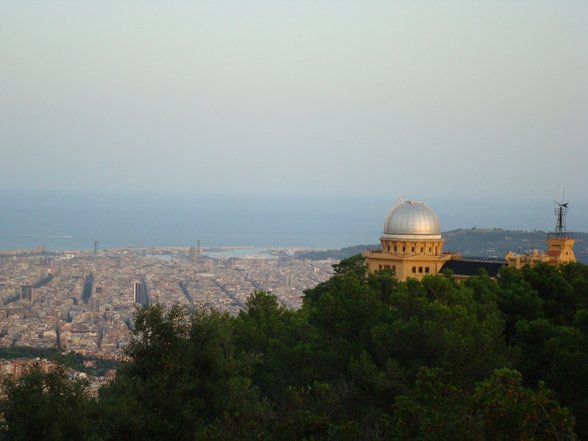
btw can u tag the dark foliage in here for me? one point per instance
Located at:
(46, 406)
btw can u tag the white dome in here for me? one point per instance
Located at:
(412, 220)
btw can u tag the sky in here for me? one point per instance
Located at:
(435, 100)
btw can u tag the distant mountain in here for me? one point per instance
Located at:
(342, 253)
(490, 242)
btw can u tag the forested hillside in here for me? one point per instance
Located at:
(365, 358)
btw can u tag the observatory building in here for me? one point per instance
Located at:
(412, 246)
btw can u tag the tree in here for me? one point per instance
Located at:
(517, 300)
(440, 324)
(186, 381)
(499, 409)
(509, 411)
(434, 410)
(46, 406)
(559, 302)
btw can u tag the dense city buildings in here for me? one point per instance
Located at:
(85, 301)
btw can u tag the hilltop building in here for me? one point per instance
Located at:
(560, 246)
(412, 246)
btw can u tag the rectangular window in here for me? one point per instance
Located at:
(412, 249)
(394, 269)
(380, 267)
(403, 249)
(395, 248)
(387, 266)
(420, 269)
(427, 269)
(414, 269)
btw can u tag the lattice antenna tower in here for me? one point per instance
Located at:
(561, 211)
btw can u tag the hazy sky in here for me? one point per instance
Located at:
(431, 99)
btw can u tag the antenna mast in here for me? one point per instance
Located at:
(561, 211)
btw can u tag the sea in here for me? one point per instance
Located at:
(67, 221)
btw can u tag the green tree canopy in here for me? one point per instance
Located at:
(46, 406)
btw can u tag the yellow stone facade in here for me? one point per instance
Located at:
(411, 245)
(559, 251)
(408, 258)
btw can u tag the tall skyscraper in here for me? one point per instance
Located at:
(193, 254)
(140, 293)
(94, 304)
(26, 293)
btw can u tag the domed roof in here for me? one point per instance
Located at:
(412, 219)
